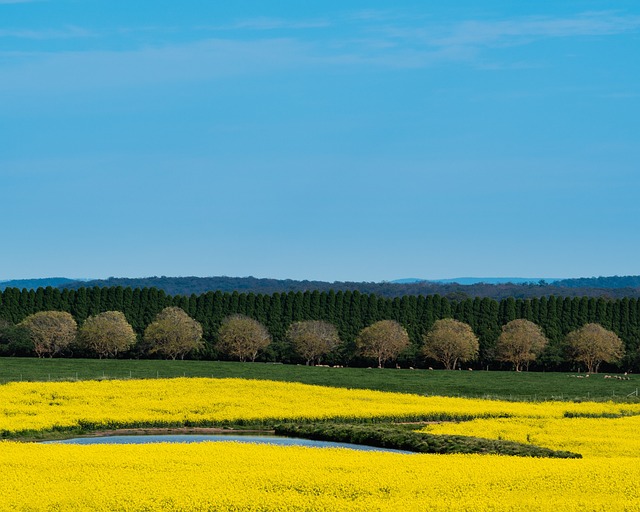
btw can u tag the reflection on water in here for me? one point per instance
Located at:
(200, 438)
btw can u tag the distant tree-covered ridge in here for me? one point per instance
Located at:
(199, 285)
(613, 282)
(350, 312)
(37, 283)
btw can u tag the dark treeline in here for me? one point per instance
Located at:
(613, 282)
(56, 282)
(349, 312)
(453, 291)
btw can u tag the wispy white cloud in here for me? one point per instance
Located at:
(371, 15)
(528, 29)
(65, 33)
(380, 54)
(267, 23)
(199, 61)
(399, 43)
(407, 42)
(386, 37)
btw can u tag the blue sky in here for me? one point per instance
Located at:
(319, 140)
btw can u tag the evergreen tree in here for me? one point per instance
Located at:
(508, 310)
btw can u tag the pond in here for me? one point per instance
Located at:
(200, 438)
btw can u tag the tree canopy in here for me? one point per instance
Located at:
(173, 334)
(592, 344)
(106, 334)
(51, 331)
(450, 341)
(243, 337)
(349, 311)
(383, 340)
(313, 339)
(520, 342)
(14, 340)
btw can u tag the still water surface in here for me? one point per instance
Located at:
(199, 438)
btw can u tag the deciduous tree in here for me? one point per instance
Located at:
(383, 340)
(107, 334)
(243, 337)
(173, 333)
(313, 339)
(520, 342)
(592, 344)
(450, 341)
(51, 331)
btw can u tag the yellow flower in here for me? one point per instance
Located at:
(234, 477)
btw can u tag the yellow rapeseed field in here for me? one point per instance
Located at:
(238, 477)
(234, 477)
(592, 437)
(26, 406)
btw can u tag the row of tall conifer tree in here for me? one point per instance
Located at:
(349, 312)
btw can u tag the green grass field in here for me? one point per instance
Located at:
(489, 384)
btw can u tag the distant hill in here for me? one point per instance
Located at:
(496, 280)
(32, 284)
(198, 285)
(495, 288)
(478, 280)
(613, 282)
